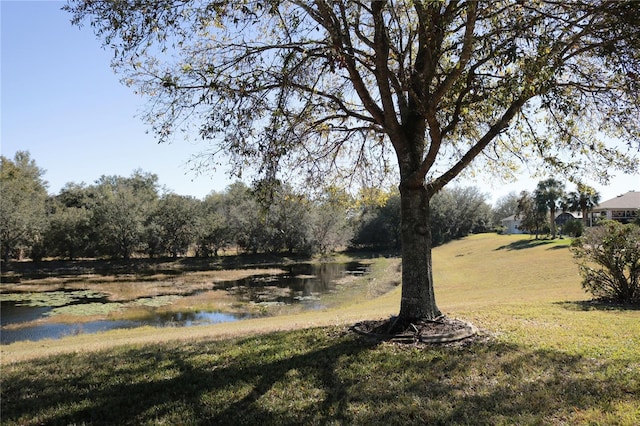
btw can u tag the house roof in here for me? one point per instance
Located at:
(628, 201)
(575, 215)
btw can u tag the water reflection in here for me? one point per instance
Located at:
(302, 284)
(57, 331)
(187, 319)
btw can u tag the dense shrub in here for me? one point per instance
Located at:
(573, 228)
(609, 260)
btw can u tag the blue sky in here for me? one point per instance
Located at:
(62, 102)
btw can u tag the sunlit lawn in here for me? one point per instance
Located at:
(544, 357)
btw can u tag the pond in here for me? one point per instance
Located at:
(31, 316)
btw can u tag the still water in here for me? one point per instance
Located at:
(302, 284)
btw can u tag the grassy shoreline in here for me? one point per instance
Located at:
(545, 357)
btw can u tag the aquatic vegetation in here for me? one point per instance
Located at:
(50, 298)
(81, 302)
(253, 292)
(86, 309)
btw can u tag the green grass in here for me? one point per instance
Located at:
(545, 357)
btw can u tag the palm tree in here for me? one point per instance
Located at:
(547, 195)
(531, 217)
(584, 200)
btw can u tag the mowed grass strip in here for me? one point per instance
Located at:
(545, 357)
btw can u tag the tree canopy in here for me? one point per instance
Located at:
(302, 81)
(22, 205)
(583, 200)
(548, 195)
(334, 87)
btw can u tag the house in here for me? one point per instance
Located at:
(623, 208)
(564, 217)
(512, 225)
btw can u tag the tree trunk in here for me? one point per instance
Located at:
(418, 299)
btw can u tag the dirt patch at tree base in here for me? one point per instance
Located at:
(439, 330)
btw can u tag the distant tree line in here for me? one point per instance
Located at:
(123, 217)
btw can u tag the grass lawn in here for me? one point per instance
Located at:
(545, 356)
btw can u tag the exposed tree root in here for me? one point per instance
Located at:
(440, 330)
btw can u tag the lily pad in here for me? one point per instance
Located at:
(86, 309)
(50, 298)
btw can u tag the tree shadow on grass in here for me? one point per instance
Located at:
(191, 384)
(598, 305)
(523, 244)
(527, 244)
(311, 377)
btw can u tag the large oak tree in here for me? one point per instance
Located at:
(335, 86)
(23, 195)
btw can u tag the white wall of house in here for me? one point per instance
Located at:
(511, 225)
